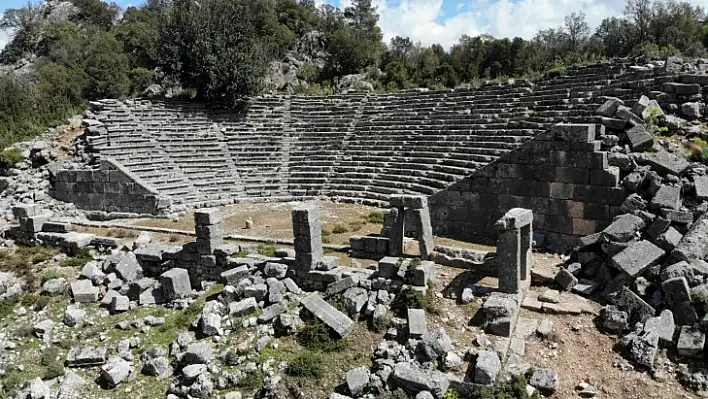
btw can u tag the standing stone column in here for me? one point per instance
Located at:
(425, 233)
(208, 227)
(307, 232)
(395, 233)
(514, 249)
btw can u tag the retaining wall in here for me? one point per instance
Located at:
(561, 175)
(112, 191)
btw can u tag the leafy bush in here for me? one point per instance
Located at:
(252, 381)
(452, 394)
(339, 229)
(53, 274)
(49, 356)
(411, 299)
(699, 151)
(10, 157)
(316, 336)
(267, 249)
(140, 79)
(308, 364)
(375, 217)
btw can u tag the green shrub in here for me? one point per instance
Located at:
(699, 151)
(267, 250)
(452, 394)
(513, 389)
(316, 336)
(53, 370)
(375, 217)
(411, 299)
(41, 303)
(53, 274)
(82, 256)
(49, 356)
(39, 254)
(10, 157)
(356, 226)
(308, 364)
(339, 229)
(252, 381)
(140, 79)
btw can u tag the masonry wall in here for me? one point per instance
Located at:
(109, 192)
(561, 175)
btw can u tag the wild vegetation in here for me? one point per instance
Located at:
(221, 49)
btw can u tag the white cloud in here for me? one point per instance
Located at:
(425, 21)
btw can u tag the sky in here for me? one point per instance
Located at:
(444, 21)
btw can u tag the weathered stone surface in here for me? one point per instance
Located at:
(624, 228)
(663, 326)
(546, 380)
(613, 319)
(434, 344)
(666, 162)
(566, 280)
(668, 240)
(209, 216)
(691, 342)
(54, 287)
(413, 379)
(128, 268)
(86, 356)
(336, 320)
(678, 298)
(277, 270)
(609, 107)
(355, 299)
(198, 353)
(487, 367)
(693, 245)
(115, 371)
(417, 324)
(357, 379)
(243, 307)
(635, 306)
(500, 311)
(271, 312)
(637, 257)
(639, 139)
(668, 197)
(175, 284)
(84, 291)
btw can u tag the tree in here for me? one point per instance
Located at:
(639, 12)
(96, 13)
(139, 31)
(577, 29)
(24, 25)
(213, 47)
(106, 67)
(615, 35)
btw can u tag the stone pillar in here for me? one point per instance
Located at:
(307, 232)
(425, 233)
(209, 230)
(396, 231)
(514, 250)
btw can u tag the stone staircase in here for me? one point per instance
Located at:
(353, 147)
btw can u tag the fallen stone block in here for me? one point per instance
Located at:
(678, 298)
(128, 268)
(207, 217)
(663, 326)
(639, 139)
(546, 380)
(668, 240)
(566, 280)
(333, 318)
(87, 356)
(635, 306)
(693, 245)
(668, 197)
(357, 380)
(417, 323)
(487, 367)
(115, 371)
(691, 342)
(637, 257)
(413, 380)
(175, 284)
(643, 349)
(84, 291)
(624, 228)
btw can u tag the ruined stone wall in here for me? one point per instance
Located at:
(111, 191)
(561, 175)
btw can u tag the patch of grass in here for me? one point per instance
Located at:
(452, 394)
(49, 356)
(355, 226)
(182, 320)
(339, 229)
(53, 274)
(41, 303)
(7, 306)
(411, 299)
(9, 158)
(309, 364)
(12, 382)
(316, 336)
(252, 382)
(121, 233)
(267, 250)
(241, 254)
(41, 254)
(326, 236)
(53, 370)
(375, 217)
(82, 256)
(513, 389)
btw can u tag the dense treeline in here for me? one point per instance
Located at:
(221, 49)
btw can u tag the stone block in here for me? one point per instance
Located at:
(663, 326)
(128, 268)
(235, 275)
(84, 291)
(637, 257)
(678, 298)
(176, 284)
(417, 323)
(86, 356)
(209, 216)
(243, 307)
(701, 185)
(566, 279)
(487, 367)
(336, 320)
(609, 107)
(357, 380)
(624, 228)
(639, 139)
(636, 307)
(694, 244)
(691, 342)
(668, 239)
(414, 379)
(668, 197)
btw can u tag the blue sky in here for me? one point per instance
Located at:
(444, 21)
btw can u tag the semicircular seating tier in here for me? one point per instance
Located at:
(353, 147)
